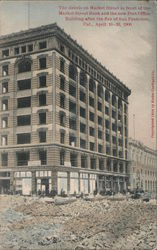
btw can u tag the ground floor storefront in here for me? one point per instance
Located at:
(62, 182)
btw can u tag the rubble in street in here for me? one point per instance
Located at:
(95, 223)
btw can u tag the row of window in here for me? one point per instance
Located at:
(23, 158)
(24, 49)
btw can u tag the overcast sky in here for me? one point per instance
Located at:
(127, 52)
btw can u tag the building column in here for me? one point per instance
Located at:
(12, 183)
(33, 182)
(54, 180)
(68, 183)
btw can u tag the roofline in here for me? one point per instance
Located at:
(54, 28)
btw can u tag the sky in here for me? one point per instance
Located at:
(128, 52)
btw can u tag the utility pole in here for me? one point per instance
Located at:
(28, 14)
(134, 125)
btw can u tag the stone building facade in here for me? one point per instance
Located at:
(143, 166)
(63, 116)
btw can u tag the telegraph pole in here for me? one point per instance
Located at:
(28, 14)
(134, 125)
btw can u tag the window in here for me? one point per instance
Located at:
(24, 102)
(99, 134)
(4, 140)
(5, 53)
(100, 148)
(91, 101)
(91, 85)
(24, 66)
(83, 79)
(24, 84)
(101, 164)
(42, 63)
(22, 158)
(62, 157)
(5, 122)
(107, 137)
(125, 108)
(16, 51)
(62, 65)
(42, 81)
(5, 87)
(82, 96)
(82, 143)
(99, 106)
(5, 70)
(62, 100)
(72, 72)
(5, 105)
(91, 116)
(42, 118)
(23, 120)
(93, 163)
(62, 118)
(62, 137)
(30, 47)
(42, 99)
(108, 150)
(4, 159)
(72, 107)
(114, 140)
(62, 49)
(82, 127)
(82, 112)
(42, 45)
(113, 114)
(42, 136)
(72, 123)
(99, 120)
(114, 127)
(91, 146)
(72, 140)
(23, 49)
(107, 124)
(24, 138)
(91, 131)
(113, 100)
(72, 90)
(107, 96)
(73, 159)
(83, 161)
(62, 83)
(43, 157)
(106, 110)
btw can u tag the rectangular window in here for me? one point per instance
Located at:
(24, 138)
(82, 96)
(113, 114)
(30, 47)
(23, 49)
(72, 107)
(91, 131)
(99, 106)
(42, 63)
(72, 123)
(24, 84)
(107, 124)
(91, 116)
(99, 134)
(43, 45)
(43, 157)
(99, 120)
(72, 140)
(22, 158)
(24, 120)
(4, 159)
(107, 137)
(42, 136)
(62, 83)
(82, 112)
(5, 87)
(72, 90)
(4, 105)
(106, 110)
(62, 137)
(82, 127)
(5, 53)
(5, 122)
(82, 143)
(62, 157)
(5, 70)
(16, 51)
(42, 118)
(42, 81)
(24, 102)
(42, 99)
(62, 65)
(91, 146)
(73, 159)
(62, 101)
(91, 101)
(4, 140)
(62, 119)
(100, 148)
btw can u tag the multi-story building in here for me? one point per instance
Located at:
(63, 116)
(143, 166)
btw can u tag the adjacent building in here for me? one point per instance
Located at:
(143, 166)
(63, 117)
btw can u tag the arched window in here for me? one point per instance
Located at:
(83, 78)
(24, 66)
(91, 85)
(72, 72)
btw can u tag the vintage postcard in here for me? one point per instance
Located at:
(78, 155)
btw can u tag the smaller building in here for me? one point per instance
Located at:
(143, 166)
